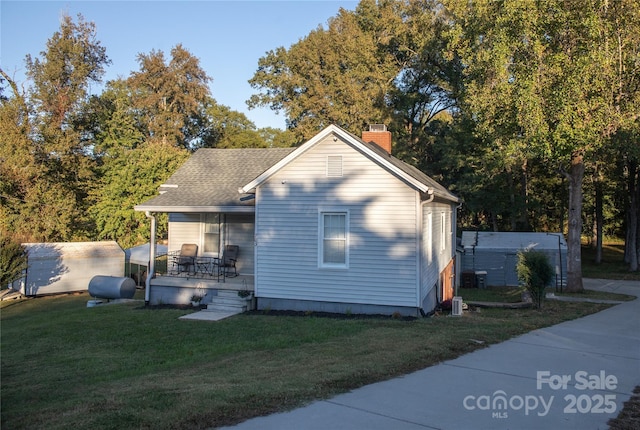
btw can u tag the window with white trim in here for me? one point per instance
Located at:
(210, 233)
(333, 239)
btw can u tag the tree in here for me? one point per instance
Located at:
(129, 169)
(535, 272)
(232, 129)
(128, 179)
(276, 138)
(426, 90)
(48, 169)
(113, 121)
(171, 98)
(544, 78)
(13, 260)
(339, 75)
(18, 168)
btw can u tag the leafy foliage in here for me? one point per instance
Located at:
(172, 97)
(48, 175)
(550, 80)
(13, 260)
(535, 272)
(491, 99)
(338, 75)
(127, 179)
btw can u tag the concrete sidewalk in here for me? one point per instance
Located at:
(574, 375)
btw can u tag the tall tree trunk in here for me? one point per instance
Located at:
(599, 220)
(494, 221)
(637, 221)
(561, 211)
(524, 183)
(631, 243)
(513, 216)
(574, 251)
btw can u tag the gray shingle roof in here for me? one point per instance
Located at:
(414, 172)
(410, 170)
(211, 178)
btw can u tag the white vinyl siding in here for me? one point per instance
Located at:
(183, 228)
(429, 238)
(236, 229)
(443, 232)
(437, 243)
(382, 241)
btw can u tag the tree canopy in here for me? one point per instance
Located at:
(528, 110)
(74, 164)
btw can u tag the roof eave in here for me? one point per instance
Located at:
(194, 209)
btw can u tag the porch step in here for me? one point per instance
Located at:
(228, 294)
(228, 300)
(226, 308)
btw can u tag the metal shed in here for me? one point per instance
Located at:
(496, 253)
(69, 266)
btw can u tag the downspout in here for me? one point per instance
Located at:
(457, 268)
(152, 258)
(421, 259)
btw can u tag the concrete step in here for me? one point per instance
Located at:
(228, 293)
(226, 308)
(228, 301)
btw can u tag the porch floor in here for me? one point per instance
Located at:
(188, 280)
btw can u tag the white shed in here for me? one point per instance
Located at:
(137, 261)
(496, 253)
(69, 266)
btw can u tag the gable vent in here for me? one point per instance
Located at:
(334, 165)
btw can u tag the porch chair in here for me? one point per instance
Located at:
(187, 257)
(229, 258)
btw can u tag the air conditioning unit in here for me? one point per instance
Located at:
(456, 306)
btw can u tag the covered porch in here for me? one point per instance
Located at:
(180, 289)
(209, 268)
(207, 210)
(173, 285)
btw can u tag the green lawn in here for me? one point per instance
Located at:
(125, 366)
(612, 266)
(514, 295)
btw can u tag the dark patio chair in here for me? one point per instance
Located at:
(229, 258)
(187, 257)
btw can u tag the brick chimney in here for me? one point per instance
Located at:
(379, 135)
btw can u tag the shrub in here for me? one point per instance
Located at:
(13, 260)
(536, 273)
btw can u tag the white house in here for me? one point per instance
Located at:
(337, 224)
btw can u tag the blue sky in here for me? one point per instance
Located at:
(227, 36)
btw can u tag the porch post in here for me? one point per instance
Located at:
(152, 258)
